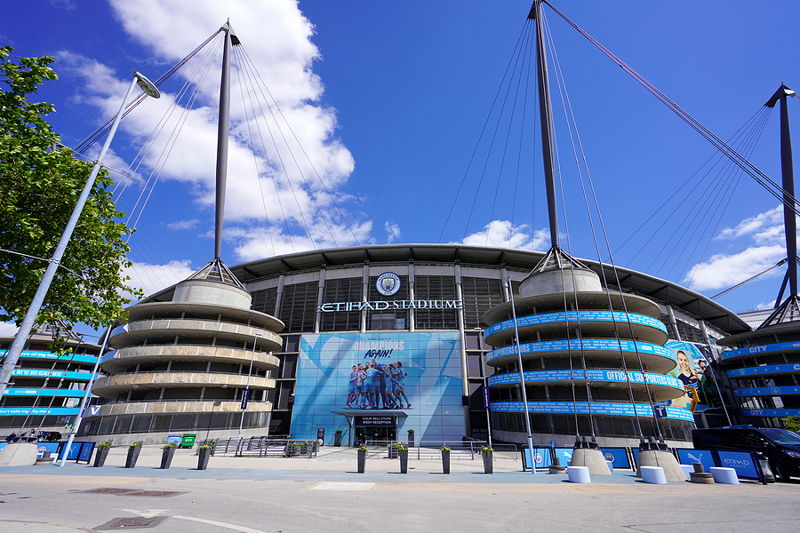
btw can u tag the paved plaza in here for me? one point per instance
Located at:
(325, 494)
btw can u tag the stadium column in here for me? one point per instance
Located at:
(673, 322)
(412, 313)
(320, 293)
(504, 282)
(364, 295)
(279, 295)
(464, 378)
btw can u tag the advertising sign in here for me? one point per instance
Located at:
(742, 462)
(691, 371)
(417, 376)
(690, 456)
(540, 455)
(617, 456)
(376, 421)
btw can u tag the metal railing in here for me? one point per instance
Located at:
(466, 449)
(266, 447)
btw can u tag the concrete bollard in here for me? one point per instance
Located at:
(726, 476)
(578, 474)
(654, 474)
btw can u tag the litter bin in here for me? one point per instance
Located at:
(187, 441)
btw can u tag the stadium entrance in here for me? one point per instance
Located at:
(375, 435)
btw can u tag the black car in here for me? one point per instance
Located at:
(779, 446)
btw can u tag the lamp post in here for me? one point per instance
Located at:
(246, 394)
(522, 378)
(55, 261)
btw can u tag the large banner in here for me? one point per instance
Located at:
(416, 375)
(694, 373)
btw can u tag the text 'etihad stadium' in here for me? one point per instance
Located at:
(381, 305)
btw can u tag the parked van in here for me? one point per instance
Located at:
(779, 446)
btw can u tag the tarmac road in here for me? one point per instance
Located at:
(304, 496)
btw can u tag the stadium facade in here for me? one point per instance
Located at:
(379, 340)
(46, 387)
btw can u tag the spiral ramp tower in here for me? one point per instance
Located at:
(183, 365)
(583, 363)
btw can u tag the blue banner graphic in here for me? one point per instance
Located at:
(41, 373)
(770, 412)
(598, 408)
(759, 350)
(617, 376)
(587, 345)
(767, 391)
(762, 370)
(59, 393)
(16, 411)
(578, 316)
(416, 376)
(33, 354)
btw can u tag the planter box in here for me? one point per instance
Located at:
(204, 454)
(133, 456)
(488, 463)
(445, 461)
(362, 461)
(403, 461)
(337, 439)
(410, 440)
(100, 456)
(166, 457)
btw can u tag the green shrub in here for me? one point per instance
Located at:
(106, 444)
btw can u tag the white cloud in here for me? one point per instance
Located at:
(503, 234)
(724, 270)
(764, 227)
(151, 278)
(8, 329)
(181, 225)
(259, 242)
(392, 231)
(294, 177)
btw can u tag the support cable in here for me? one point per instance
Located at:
(483, 130)
(762, 179)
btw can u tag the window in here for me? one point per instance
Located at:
(264, 300)
(435, 288)
(299, 306)
(390, 319)
(480, 295)
(341, 290)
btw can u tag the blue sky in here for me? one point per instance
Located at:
(388, 100)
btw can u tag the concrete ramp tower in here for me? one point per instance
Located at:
(196, 358)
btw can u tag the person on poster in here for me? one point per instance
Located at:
(372, 385)
(687, 375)
(361, 387)
(387, 387)
(352, 389)
(398, 384)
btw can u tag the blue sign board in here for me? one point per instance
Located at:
(768, 391)
(770, 412)
(759, 350)
(33, 354)
(762, 370)
(618, 457)
(742, 462)
(689, 456)
(541, 455)
(564, 455)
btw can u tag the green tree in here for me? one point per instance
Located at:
(793, 424)
(40, 181)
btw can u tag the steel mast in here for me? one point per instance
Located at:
(787, 175)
